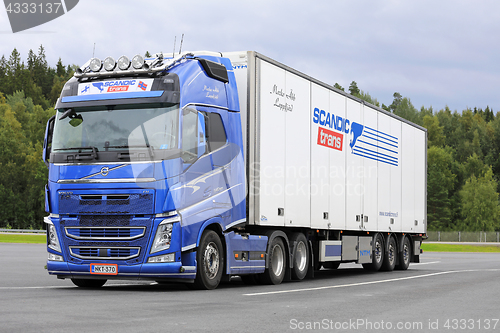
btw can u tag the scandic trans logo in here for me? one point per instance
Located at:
(24, 15)
(114, 86)
(364, 140)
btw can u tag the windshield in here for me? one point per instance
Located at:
(110, 128)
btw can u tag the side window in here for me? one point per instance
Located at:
(216, 133)
(193, 135)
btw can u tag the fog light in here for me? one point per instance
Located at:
(95, 65)
(164, 258)
(109, 64)
(55, 257)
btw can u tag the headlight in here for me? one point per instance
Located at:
(163, 237)
(52, 239)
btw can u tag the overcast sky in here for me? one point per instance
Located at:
(437, 53)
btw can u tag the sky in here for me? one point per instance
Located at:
(436, 53)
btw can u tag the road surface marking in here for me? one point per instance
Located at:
(368, 282)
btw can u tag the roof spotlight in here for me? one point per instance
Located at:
(109, 64)
(137, 61)
(95, 65)
(123, 63)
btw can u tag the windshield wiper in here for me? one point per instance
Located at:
(149, 147)
(83, 157)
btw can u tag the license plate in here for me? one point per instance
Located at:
(106, 269)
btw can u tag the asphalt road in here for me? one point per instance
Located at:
(446, 292)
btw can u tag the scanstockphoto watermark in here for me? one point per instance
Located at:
(356, 324)
(448, 324)
(25, 15)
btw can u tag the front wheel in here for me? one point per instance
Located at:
(210, 261)
(88, 283)
(275, 272)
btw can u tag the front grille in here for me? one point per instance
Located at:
(104, 237)
(81, 202)
(106, 233)
(116, 253)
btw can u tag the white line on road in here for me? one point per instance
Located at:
(40, 287)
(368, 282)
(426, 263)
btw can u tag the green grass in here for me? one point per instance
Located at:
(41, 239)
(23, 238)
(459, 248)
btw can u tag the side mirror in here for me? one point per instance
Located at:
(47, 142)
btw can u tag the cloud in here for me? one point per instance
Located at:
(436, 53)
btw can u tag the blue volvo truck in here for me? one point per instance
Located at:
(200, 166)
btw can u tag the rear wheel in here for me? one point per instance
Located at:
(210, 261)
(404, 256)
(390, 255)
(88, 283)
(275, 272)
(377, 253)
(300, 256)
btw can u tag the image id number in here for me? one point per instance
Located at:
(33, 8)
(471, 324)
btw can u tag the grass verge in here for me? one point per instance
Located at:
(459, 248)
(23, 238)
(41, 239)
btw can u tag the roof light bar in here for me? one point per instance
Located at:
(138, 65)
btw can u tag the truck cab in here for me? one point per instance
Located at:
(145, 157)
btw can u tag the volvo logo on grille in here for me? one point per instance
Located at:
(104, 171)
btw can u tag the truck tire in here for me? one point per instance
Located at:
(275, 272)
(377, 253)
(300, 256)
(88, 283)
(404, 256)
(391, 251)
(210, 261)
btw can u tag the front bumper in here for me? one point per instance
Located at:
(156, 271)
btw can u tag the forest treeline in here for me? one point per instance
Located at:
(463, 149)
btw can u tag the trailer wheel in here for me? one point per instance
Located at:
(275, 272)
(300, 256)
(390, 255)
(404, 256)
(88, 283)
(377, 254)
(210, 261)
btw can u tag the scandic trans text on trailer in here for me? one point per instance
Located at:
(202, 166)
